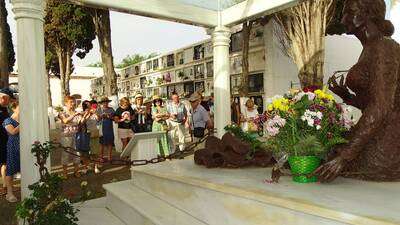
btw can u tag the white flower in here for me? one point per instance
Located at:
(310, 122)
(84, 184)
(319, 115)
(318, 127)
(310, 95)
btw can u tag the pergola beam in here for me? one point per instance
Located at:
(161, 9)
(252, 9)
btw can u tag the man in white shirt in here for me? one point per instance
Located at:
(176, 122)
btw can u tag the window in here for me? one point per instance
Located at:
(155, 64)
(236, 42)
(137, 70)
(149, 66)
(180, 58)
(170, 60)
(199, 71)
(210, 69)
(143, 82)
(170, 90)
(199, 87)
(198, 52)
(188, 88)
(256, 83)
(188, 73)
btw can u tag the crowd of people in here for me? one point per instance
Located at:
(175, 117)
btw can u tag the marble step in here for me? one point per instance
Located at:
(135, 206)
(94, 212)
(240, 196)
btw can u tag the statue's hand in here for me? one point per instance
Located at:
(338, 88)
(330, 170)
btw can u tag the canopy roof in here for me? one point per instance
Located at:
(212, 4)
(206, 13)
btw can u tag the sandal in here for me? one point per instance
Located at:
(11, 198)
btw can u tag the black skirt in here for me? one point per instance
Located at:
(3, 150)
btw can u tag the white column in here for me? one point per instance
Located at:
(32, 84)
(222, 92)
(269, 48)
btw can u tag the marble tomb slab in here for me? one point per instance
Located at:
(242, 193)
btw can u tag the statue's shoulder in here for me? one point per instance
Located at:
(386, 47)
(387, 43)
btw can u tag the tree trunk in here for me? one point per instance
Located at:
(4, 64)
(247, 26)
(49, 100)
(62, 65)
(101, 19)
(68, 72)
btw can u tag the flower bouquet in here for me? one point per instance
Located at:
(304, 126)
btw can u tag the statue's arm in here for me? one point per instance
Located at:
(382, 93)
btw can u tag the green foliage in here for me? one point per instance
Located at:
(69, 29)
(134, 59)
(8, 37)
(46, 205)
(96, 64)
(246, 137)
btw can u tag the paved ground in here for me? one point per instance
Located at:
(72, 185)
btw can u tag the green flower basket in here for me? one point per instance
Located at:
(302, 166)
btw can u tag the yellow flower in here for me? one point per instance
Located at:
(321, 94)
(281, 104)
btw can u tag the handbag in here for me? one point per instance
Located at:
(199, 132)
(82, 140)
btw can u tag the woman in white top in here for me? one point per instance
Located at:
(249, 114)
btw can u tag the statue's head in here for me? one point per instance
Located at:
(359, 14)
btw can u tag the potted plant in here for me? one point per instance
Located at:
(305, 126)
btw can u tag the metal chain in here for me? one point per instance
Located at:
(189, 150)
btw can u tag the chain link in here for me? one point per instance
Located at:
(189, 150)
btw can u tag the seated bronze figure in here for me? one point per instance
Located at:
(373, 151)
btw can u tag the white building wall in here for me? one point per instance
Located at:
(341, 52)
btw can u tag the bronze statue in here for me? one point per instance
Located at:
(373, 151)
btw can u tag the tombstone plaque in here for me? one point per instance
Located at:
(143, 146)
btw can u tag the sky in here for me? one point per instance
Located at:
(132, 34)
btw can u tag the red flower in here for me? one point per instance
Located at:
(310, 88)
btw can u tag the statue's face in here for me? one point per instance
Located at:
(353, 19)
